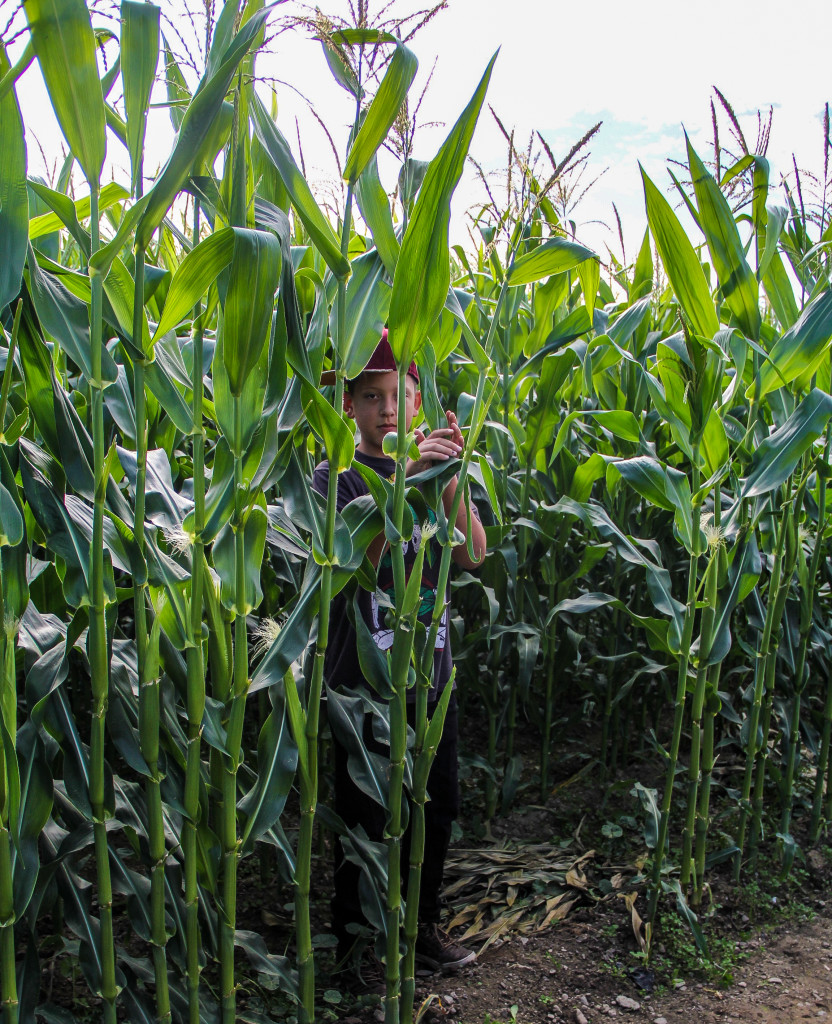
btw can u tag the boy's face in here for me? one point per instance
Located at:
(373, 406)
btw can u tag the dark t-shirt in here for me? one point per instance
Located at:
(341, 664)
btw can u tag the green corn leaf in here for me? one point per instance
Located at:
(620, 422)
(293, 638)
(368, 301)
(340, 68)
(545, 414)
(777, 457)
(314, 345)
(433, 735)
(800, 350)
(163, 389)
(277, 150)
(250, 401)
(192, 278)
(226, 564)
(197, 124)
(643, 271)
(249, 303)
(272, 965)
(36, 796)
(688, 916)
(411, 176)
(11, 520)
(423, 274)
(37, 375)
(277, 759)
(179, 96)
(120, 289)
(775, 220)
(714, 449)
(475, 349)
(363, 36)
(743, 574)
(368, 770)
(13, 560)
(375, 209)
(70, 213)
(66, 318)
(11, 74)
(14, 196)
(65, 46)
(779, 291)
(101, 261)
(664, 487)
(647, 477)
(590, 274)
(330, 429)
(39, 473)
(680, 261)
(139, 57)
(738, 283)
(554, 256)
(382, 112)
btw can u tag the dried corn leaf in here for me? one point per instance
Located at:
(576, 880)
(557, 914)
(509, 887)
(639, 930)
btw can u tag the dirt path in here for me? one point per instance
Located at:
(574, 975)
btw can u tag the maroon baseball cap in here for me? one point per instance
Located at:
(381, 361)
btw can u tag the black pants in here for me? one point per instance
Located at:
(356, 808)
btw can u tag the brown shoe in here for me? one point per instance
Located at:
(436, 950)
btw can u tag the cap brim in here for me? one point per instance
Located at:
(328, 376)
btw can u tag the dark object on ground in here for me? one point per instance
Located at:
(438, 951)
(643, 978)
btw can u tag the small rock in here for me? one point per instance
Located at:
(659, 1020)
(579, 1017)
(775, 981)
(379, 1015)
(583, 1000)
(627, 1004)
(448, 1000)
(742, 984)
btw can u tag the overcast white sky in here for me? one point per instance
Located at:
(645, 69)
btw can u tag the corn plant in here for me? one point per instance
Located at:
(159, 409)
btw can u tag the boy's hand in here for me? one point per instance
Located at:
(441, 444)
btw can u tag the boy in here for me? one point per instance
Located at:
(371, 400)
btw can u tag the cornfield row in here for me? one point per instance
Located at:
(650, 456)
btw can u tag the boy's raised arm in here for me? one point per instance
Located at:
(440, 445)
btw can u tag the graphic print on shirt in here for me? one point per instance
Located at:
(382, 636)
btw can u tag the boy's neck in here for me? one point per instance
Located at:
(371, 452)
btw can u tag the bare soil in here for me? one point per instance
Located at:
(575, 974)
(583, 970)
(555, 904)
